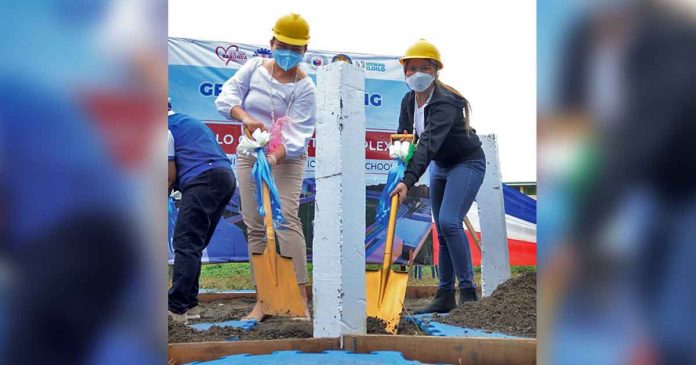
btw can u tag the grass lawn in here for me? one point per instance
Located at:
(234, 276)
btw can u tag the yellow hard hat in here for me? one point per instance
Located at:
(422, 49)
(292, 29)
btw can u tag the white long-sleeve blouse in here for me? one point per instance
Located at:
(252, 88)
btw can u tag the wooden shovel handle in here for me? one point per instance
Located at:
(268, 218)
(391, 230)
(471, 229)
(397, 137)
(268, 222)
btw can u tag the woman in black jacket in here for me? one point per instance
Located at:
(439, 116)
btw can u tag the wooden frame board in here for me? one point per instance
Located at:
(448, 350)
(183, 353)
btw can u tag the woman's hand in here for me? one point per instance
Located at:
(272, 160)
(252, 124)
(277, 155)
(401, 190)
(403, 139)
(237, 113)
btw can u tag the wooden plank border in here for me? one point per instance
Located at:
(448, 350)
(183, 353)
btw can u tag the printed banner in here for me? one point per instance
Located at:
(197, 71)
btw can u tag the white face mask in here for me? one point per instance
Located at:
(419, 81)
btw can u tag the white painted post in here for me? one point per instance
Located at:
(495, 259)
(339, 220)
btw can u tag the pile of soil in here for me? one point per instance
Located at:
(376, 326)
(271, 328)
(227, 310)
(408, 328)
(511, 309)
(180, 333)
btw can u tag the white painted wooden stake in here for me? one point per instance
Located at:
(495, 259)
(339, 220)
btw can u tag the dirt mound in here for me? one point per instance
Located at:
(225, 310)
(511, 309)
(179, 332)
(375, 326)
(269, 329)
(272, 327)
(408, 328)
(279, 327)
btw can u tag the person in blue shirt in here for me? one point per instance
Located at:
(202, 172)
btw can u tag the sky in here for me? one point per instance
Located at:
(488, 49)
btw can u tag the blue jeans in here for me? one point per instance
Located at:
(452, 191)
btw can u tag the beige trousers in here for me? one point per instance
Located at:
(288, 176)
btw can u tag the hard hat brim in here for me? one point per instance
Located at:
(291, 41)
(403, 59)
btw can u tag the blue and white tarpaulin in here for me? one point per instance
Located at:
(197, 70)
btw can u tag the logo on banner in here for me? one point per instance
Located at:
(371, 66)
(316, 61)
(342, 57)
(263, 52)
(231, 53)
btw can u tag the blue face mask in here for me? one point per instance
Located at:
(286, 59)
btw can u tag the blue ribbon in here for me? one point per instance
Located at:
(173, 214)
(396, 174)
(262, 173)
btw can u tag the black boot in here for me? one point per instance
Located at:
(467, 295)
(444, 302)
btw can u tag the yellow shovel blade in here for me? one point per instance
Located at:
(390, 307)
(279, 295)
(276, 283)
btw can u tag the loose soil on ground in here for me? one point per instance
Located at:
(511, 309)
(270, 328)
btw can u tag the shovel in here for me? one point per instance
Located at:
(276, 283)
(386, 288)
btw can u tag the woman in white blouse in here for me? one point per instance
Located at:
(262, 91)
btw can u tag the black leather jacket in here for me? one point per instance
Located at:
(445, 139)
